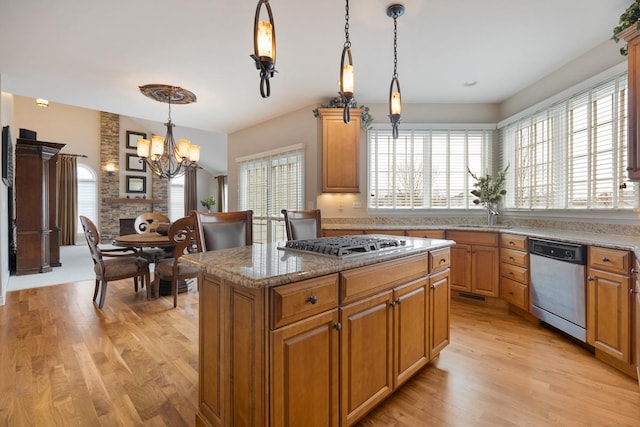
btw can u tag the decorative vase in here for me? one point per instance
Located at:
(492, 215)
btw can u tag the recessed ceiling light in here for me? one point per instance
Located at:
(470, 83)
(42, 103)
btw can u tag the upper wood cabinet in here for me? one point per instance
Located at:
(632, 37)
(340, 151)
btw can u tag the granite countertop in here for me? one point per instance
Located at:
(616, 241)
(264, 265)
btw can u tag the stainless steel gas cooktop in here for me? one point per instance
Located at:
(343, 246)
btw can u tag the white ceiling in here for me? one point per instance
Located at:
(96, 54)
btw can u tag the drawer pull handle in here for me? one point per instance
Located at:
(312, 299)
(511, 273)
(443, 260)
(511, 243)
(605, 259)
(511, 258)
(511, 293)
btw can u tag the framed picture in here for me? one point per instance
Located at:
(136, 184)
(135, 163)
(133, 137)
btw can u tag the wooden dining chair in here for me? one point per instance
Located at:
(113, 264)
(302, 224)
(148, 223)
(183, 237)
(223, 230)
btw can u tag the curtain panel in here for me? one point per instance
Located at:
(67, 199)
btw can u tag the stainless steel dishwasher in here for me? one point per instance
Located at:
(558, 285)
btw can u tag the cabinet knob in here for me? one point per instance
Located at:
(443, 260)
(511, 258)
(605, 259)
(312, 299)
(590, 278)
(634, 271)
(337, 326)
(633, 291)
(392, 304)
(511, 243)
(511, 293)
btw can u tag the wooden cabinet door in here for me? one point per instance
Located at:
(340, 151)
(366, 355)
(461, 267)
(439, 307)
(304, 372)
(485, 279)
(608, 321)
(630, 35)
(411, 329)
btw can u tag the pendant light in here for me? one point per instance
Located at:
(264, 47)
(346, 71)
(395, 98)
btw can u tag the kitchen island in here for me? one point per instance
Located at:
(289, 338)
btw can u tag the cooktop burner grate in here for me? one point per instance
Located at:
(342, 245)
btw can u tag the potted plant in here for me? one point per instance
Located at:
(488, 191)
(365, 120)
(208, 203)
(630, 17)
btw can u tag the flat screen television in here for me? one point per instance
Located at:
(7, 157)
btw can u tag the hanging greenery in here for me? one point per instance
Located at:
(630, 17)
(365, 120)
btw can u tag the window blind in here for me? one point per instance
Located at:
(268, 184)
(87, 195)
(572, 155)
(176, 198)
(426, 168)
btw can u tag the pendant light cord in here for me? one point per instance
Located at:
(347, 42)
(395, 48)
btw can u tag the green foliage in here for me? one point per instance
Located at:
(627, 19)
(365, 120)
(208, 202)
(488, 189)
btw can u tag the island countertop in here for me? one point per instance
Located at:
(264, 265)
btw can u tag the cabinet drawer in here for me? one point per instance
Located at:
(473, 237)
(515, 293)
(513, 241)
(613, 260)
(513, 272)
(514, 257)
(426, 234)
(296, 301)
(439, 259)
(364, 281)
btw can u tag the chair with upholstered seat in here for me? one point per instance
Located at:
(183, 238)
(113, 264)
(302, 224)
(148, 223)
(223, 230)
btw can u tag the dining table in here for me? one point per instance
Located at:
(152, 239)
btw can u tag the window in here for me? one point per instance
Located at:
(399, 169)
(87, 195)
(571, 155)
(176, 198)
(268, 183)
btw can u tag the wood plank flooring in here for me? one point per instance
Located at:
(63, 362)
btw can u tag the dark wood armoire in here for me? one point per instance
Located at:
(37, 233)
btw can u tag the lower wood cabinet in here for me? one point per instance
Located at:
(304, 372)
(322, 351)
(475, 262)
(636, 313)
(609, 312)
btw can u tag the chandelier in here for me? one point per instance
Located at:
(165, 158)
(395, 98)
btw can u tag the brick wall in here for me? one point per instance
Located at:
(111, 213)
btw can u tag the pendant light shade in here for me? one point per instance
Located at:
(346, 71)
(264, 47)
(395, 97)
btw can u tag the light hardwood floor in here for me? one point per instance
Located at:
(65, 362)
